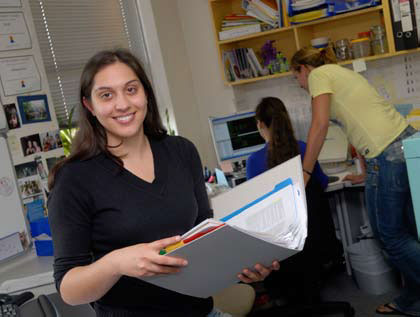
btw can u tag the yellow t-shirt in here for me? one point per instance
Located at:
(369, 121)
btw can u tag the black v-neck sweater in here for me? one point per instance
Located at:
(96, 207)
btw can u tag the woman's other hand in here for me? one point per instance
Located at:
(143, 259)
(355, 179)
(259, 273)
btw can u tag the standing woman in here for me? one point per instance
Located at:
(126, 191)
(376, 130)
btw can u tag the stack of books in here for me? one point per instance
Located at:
(301, 11)
(260, 15)
(267, 11)
(236, 25)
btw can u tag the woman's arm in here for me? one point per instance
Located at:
(85, 284)
(317, 132)
(358, 178)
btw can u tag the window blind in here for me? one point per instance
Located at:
(69, 33)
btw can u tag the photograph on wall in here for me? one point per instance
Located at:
(30, 144)
(14, 34)
(19, 75)
(51, 140)
(51, 161)
(33, 198)
(26, 170)
(12, 116)
(40, 168)
(30, 187)
(33, 109)
(10, 4)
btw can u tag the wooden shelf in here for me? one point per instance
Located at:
(290, 39)
(367, 59)
(255, 35)
(253, 80)
(302, 25)
(340, 16)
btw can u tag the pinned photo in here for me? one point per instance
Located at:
(34, 109)
(26, 170)
(51, 140)
(12, 116)
(29, 188)
(40, 168)
(31, 144)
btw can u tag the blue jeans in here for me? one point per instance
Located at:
(391, 216)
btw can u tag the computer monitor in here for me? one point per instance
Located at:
(236, 136)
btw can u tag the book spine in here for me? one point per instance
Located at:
(229, 34)
(284, 4)
(255, 60)
(251, 64)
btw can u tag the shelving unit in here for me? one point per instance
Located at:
(290, 39)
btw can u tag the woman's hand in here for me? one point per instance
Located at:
(259, 273)
(355, 179)
(143, 259)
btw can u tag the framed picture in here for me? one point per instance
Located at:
(34, 109)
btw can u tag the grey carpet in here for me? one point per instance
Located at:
(342, 287)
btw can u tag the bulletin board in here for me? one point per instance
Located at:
(33, 144)
(14, 236)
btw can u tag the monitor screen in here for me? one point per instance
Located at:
(235, 136)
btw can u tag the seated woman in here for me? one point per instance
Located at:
(321, 246)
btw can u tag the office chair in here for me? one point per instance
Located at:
(300, 277)
(302, 300)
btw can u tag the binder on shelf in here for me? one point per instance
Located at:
(404, 25)
(417, 15)
(268, 224)
(408, 23)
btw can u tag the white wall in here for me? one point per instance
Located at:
(213, 97)
(177, 69)
(190, 65)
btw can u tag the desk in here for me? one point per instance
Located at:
(25, 266)
(348, 226)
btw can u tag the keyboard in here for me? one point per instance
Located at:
(9, 310)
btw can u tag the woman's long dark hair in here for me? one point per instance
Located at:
(283, 144)
(91, 139)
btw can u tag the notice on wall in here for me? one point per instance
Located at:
(19, 75)
(14, 32)
(10, 4)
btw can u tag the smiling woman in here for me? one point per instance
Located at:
(126, 191)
